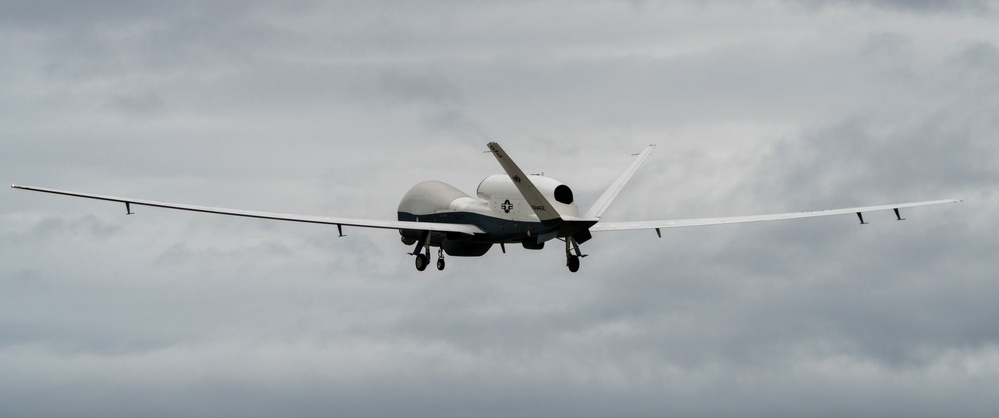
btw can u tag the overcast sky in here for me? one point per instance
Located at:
(338, 108)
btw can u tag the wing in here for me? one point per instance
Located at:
(339, 222)
(622, 226)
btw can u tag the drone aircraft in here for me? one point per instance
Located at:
(510, 208)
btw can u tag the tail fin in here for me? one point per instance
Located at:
(541, 206)
(601, 205)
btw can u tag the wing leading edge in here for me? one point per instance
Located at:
(624, 226)
(339, 222)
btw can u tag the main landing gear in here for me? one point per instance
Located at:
(422, 253)
(572, 254)
(422, 260)
(572, 262)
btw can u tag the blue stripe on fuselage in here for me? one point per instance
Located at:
(497, 230)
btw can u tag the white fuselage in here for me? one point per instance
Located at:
(497, 198)
(499, 209)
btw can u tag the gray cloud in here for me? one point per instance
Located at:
(338, 108)
(921, 6)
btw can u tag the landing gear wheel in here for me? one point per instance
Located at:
(440, 258)
(572, 261)
(422, 261)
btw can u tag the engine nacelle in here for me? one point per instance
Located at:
(504, 197)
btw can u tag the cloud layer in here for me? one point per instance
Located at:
(339, 107)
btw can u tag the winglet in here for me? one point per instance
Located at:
(601, 205)
(541, 206)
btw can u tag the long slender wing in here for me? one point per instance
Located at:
(622, 226)
(366, 223)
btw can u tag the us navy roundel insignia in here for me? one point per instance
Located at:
(507, 206)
